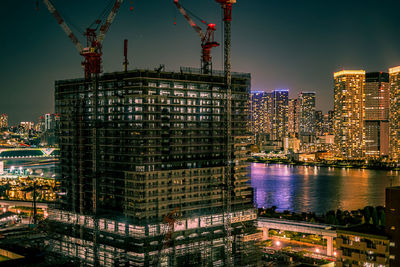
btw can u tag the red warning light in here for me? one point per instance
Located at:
(131, 8)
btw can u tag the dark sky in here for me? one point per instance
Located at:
(294, 44)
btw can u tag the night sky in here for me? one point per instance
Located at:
(294, 44)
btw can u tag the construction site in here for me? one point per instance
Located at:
(153, 162)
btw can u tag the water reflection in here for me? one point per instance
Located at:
(319, 189)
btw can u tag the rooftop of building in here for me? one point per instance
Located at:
(348, 72)
(368, 230)
(162, 73)
(394, 70)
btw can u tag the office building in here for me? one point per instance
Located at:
(143, 163)
(392, 211)
(279, 115)
(348, 110)
(3, 121)
(394, 114)
(376, 114)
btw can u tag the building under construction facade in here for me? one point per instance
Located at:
(143, 159)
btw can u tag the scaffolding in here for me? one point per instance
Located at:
(189, 235)
(145, 142)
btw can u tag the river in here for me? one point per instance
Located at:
(319, 189)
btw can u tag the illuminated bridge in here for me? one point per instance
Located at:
(323, 230)
(27, 153)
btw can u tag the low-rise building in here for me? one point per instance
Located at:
(364, 245)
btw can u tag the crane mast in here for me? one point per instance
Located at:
(227, 11)
(207, 39)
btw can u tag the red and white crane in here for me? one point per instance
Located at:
(92, 53)
(207, 38)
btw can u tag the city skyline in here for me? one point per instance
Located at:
(270, 50)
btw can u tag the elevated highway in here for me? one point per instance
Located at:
(324, 230)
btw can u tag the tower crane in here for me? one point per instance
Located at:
(227, 11)
(92, 53)
(207, 39)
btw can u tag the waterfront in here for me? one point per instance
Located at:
(319, 189)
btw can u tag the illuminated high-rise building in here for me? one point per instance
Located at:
(306, 116)
(293, 125)
(376, 114)
(3, 121)
(319, 122)
(260, 119)
(328, 123)
(279, 114)
(394, 113)
(348, 108)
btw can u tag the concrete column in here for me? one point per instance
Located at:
(265, 233)
(329, 245)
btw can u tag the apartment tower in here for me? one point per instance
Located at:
(394, 113)
(293, 125)
(279, 114)
(376, 114)
(348, 112)
(260, 119)
(306, 116)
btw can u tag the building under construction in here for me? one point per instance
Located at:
(143, 164)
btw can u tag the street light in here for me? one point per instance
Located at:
(278, 243)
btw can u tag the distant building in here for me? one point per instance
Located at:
(279, 115)
(293, 124)
(260, 116)
(376, 114)
(394, 114)
(3, 121)
(348, 108)
(328, 119)
(27, 125)
(319, 122)
(50, 121)
(393, 223)
(306, 113)
(40, 125)
(291, 144)
(363, 245)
